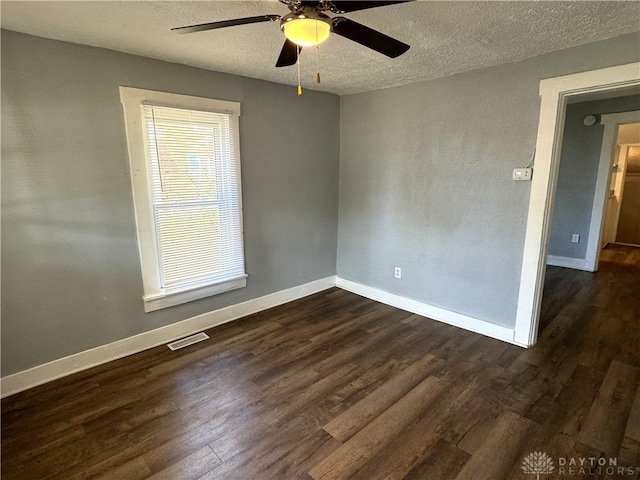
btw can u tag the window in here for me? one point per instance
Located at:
(185, 175)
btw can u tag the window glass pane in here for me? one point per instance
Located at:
(198, 231)
(188, 151)
(194, 195)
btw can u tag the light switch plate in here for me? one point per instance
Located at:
(522, 173)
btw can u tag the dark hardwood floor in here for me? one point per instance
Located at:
(336, 386)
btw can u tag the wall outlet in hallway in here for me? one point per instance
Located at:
(398, 272)
(575, 238)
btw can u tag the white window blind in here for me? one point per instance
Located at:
(185, 175)
(194, 194)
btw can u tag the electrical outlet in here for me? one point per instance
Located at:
(398, 272)
(575, 238)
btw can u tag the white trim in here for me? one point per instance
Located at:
(105, 353)
(133, 96)
(568, 262)
(155, 296)
(436, 313)
(610, 122)
(163, 300)
(62, 367)
(554, 94)
(626, 244)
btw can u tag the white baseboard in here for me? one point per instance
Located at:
(568, 262)
(96, 356)
(436, 313)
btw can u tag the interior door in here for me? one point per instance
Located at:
(628, 230)
(612, 208)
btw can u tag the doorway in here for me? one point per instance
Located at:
(555, 92)
(623, 219)
(621, 222)
(590, 135)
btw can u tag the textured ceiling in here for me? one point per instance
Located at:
(445, 37)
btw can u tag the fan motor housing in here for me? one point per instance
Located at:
(307, 27)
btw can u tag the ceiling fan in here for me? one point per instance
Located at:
(307, 25)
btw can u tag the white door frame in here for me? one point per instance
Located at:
(554, 93)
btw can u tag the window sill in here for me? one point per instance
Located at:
(164, 300)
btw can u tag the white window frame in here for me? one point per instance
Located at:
(155, 296)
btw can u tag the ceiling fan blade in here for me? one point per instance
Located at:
(339, 6)
(368, 37)
(225, 23)
(288, 54)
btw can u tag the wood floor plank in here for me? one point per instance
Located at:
(344, 426)
(399, 457)
(629, 454)
(632, 429)
(305, 358)
(266, 447)
(475, 437)
(500, 451)
(181, 445)
(112, 469)
(185, 359)
(565, 413)
(419, 451)
(605, 424)
(240, 429)
(299, 459)
(140, 440)
(130, 416)
(38, 441)
(352, 455)
(443, 463)
(550, 341)
(192, 467)
(351, 393)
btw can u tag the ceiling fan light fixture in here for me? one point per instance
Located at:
(305, 30)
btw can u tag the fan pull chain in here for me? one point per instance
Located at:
(298, 62)
(317, 56)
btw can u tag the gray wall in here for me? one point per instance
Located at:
(70, 266)
(578, 173)
(425, 181)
